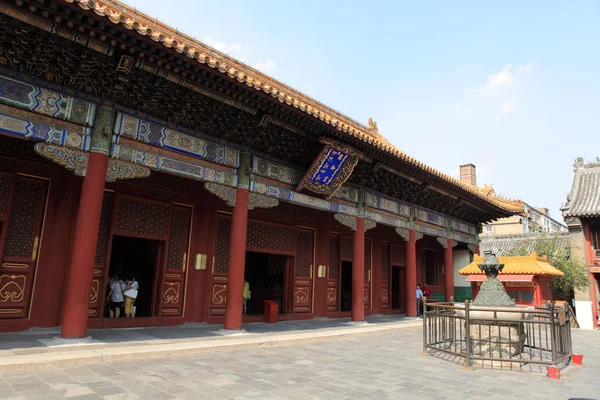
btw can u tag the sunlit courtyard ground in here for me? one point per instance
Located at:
(383, 366)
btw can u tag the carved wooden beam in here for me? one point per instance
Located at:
(444, 242)
(76, 161)
(227, 194)
(404, 234)
(350, 222)
(472, 247)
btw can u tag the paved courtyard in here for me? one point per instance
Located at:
(381, 366)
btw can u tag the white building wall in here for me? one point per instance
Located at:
(462, 258)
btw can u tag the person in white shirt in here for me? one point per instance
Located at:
(419, 299)
(115, 297)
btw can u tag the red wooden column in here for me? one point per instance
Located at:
(237, 249)
(411, 274)
(83, 248)
(358, 271)
(448, 270)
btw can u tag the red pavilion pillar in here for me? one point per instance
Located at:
(358, 271)
(448, 271)
(411, 274)
(237, 248)
(83, 248)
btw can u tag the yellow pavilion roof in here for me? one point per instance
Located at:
(516, 265)
(120, 13)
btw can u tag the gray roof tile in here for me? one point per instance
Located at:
(508, 244)
(584, 199)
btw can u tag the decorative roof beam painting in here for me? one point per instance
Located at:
(331, 169)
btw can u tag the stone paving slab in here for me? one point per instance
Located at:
(33, 351)
(384, 366)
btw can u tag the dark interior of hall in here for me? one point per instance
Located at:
(266, 275)
(346, 286)
(134, 257)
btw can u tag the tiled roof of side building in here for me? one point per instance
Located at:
(584, 199)
(516, 265)
(511, 244)
(132, 19)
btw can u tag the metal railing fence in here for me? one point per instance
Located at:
(540, 335)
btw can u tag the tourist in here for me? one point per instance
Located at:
(246, 295)
(130, 293)
(115, 297)
(419, 299)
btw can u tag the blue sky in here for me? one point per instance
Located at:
(510, 86)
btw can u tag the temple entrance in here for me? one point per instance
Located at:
(269, 276)
(346, 286)
(136, 258)
(398, 276)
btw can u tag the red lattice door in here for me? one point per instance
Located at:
(174, 274)
(368, 264)
(218, 285)
(303, 280)
(333, 273)
(385, 276)
(22, 202)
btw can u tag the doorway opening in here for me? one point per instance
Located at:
(397, 287)
(267, 275)
(430, 268)
(346, 288)
(136, 258)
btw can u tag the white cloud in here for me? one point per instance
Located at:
(502, 79)
(241, 53)
(265, 65)
(223, 47)
(497, 81)
(525, 68)
(509, 107)
(462, 109)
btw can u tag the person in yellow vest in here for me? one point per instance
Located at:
(246, 295)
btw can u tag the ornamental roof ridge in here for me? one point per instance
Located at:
(132, 19)
(584, 198)
(533, 264)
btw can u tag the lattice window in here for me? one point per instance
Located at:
(367, 258)
(346, 247)
(142, 217)
(304, 252)
(334, 256)
(4, 189)
(385, 262)
(304, 212)
(265, 236)
(222, 245)
(399, 254)
(178, 237)
(104, 228)
(23, 217)
(173, 184)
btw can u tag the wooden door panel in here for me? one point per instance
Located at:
(22, 207)
(333, 273)
(173, 282)
(385, 276)
(303, 279)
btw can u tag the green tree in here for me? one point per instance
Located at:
(559, 255)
